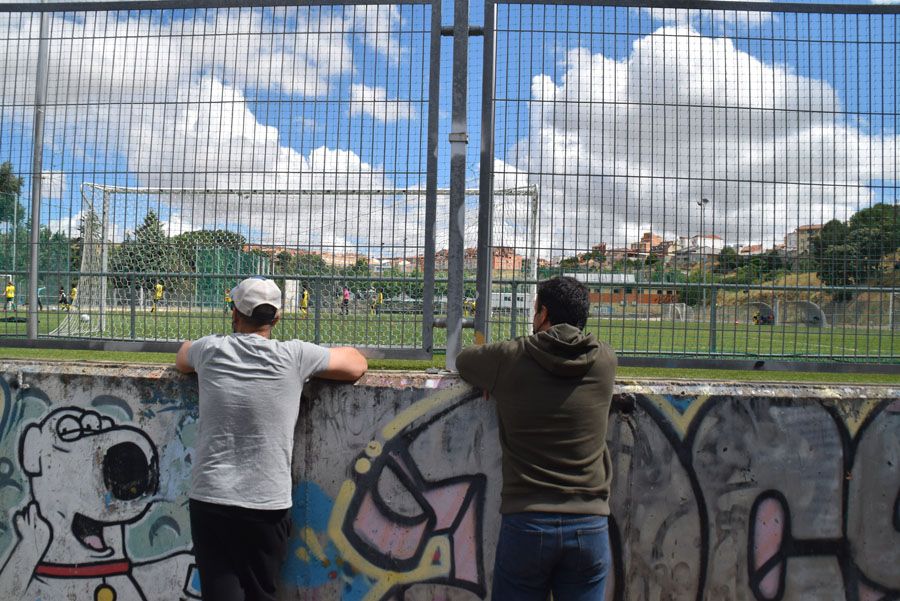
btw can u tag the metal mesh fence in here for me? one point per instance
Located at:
(186, 148)
(723, 177)
(727, 182)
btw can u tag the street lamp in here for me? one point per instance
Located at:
(702, 204)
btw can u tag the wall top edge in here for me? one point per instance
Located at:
(19, 369)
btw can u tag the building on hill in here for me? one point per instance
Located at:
(751, 250)
(798, 241)
(646, 243)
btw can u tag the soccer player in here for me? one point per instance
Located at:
(10, 295)
(304, 302)
(157, 295)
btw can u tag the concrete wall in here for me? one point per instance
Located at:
(721, 491)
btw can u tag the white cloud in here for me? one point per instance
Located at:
(623, 147)
(379, 25)
(53, 184)
(67, 224)
(374, 102)
(719, 17)
(172, 104)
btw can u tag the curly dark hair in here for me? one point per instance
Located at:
(566, 299)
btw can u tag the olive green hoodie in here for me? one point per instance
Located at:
(553, 392)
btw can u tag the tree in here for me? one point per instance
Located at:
(851, 254)
(880, 216)
(150, 250)
(728, 260)
(10, 187)
(773, 261)
(310, 264)
(832, 233)
(570, 262)
(210, 239)
(870, 244)
(839, 267)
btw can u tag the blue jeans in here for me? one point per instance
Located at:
(537, 553)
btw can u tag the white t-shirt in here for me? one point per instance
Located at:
(249, 403)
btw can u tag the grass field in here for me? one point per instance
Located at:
(362, 328)
(657, 338)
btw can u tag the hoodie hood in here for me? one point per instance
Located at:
(563, 350)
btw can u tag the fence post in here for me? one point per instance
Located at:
(133, 297)
(317, 306)
(458, 141)
(431, 179)
(514, 309)
(712, 320)
(37, 167)
(486, 182)
(104, 260)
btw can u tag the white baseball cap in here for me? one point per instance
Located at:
(253, 292)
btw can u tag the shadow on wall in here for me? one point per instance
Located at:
(719, 492)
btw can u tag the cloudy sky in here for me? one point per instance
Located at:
(622, 118)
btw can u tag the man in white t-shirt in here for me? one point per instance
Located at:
(249, 388)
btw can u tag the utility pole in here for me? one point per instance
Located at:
(702, 204)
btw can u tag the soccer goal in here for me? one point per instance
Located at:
(155, 262)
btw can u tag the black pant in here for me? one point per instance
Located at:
(239, 551)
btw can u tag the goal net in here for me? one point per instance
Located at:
(157, 252)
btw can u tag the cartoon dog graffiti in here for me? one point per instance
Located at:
(89, 477)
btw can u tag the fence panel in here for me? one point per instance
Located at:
(188, 146)
(724, 179)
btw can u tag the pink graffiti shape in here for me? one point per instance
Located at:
(446, 503)
(767, 539)
(869, 594)
(465, 547)
(392, 539)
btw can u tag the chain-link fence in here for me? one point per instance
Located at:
(726, 180)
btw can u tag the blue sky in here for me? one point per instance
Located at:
(784, 120)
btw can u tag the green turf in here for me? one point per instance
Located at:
(623, 373)
(660, 338)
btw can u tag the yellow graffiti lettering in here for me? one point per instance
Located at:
(680, 421)
(856, 414)
(308, 535)
(373, 449)
(423, 407)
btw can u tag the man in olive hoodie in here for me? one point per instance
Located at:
(553, 391)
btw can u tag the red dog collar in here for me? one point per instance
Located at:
(89, 570)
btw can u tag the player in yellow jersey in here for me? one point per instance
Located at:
(377, 301)
(304, 302)
(157, 295)
(10, 295)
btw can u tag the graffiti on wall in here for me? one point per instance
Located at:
(793, 499)
(723, 496)
(390, 527)
(716, 497)
(81, 480)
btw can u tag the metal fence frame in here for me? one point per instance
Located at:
(461, 32)
(34, 340)
(712, 359)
